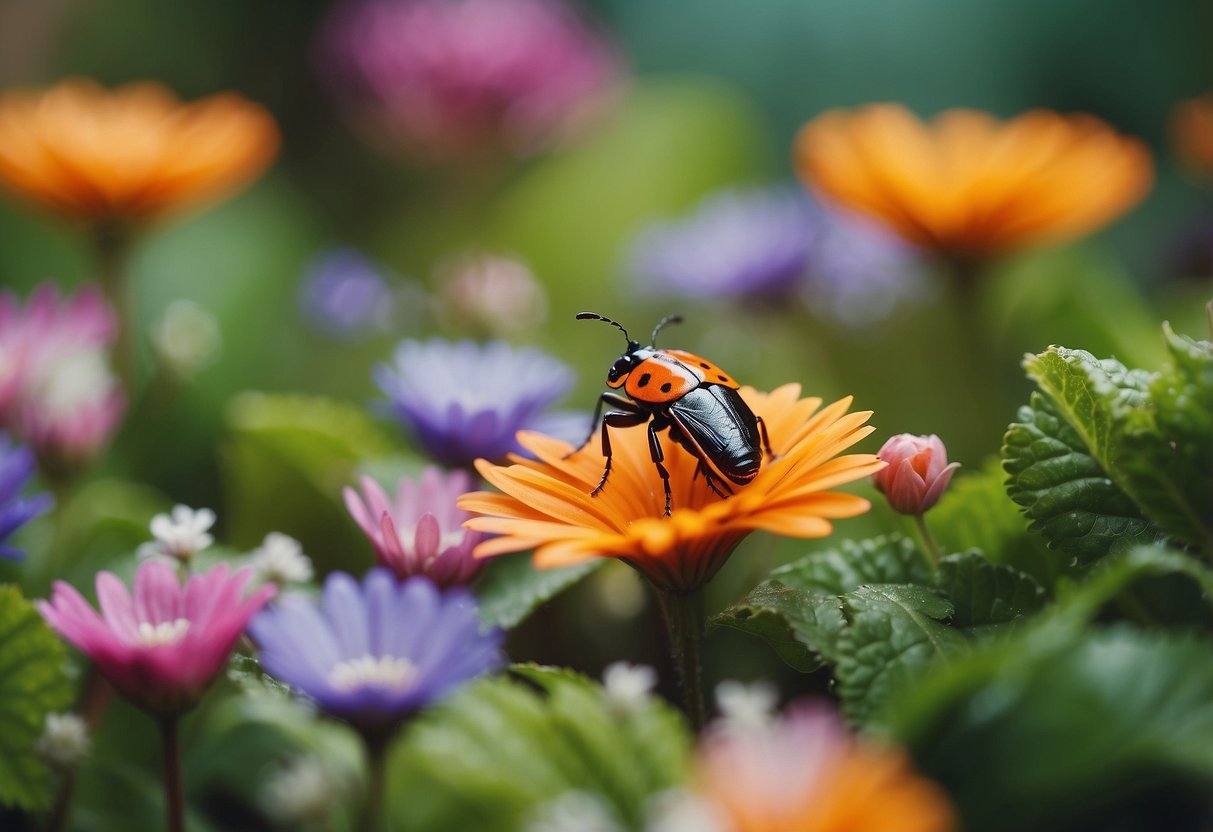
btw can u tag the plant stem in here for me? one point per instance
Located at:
(113, 248)
(63, 803)
(683, 615)
(376, 777)
(174, 801)
(930, 547)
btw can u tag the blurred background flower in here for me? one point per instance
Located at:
(968, 185)
(344, 294)
(1192, 133)
(130, 154)
(463, 79)
(464, 401)
(16, 469)
(493, 295)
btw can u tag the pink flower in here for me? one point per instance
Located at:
(420, 532)
(917, 474)
(56, 389)
(162, 648)
(453, 79)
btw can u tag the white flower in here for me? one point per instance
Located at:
(627, 686)
(280, 559)
(64, 741)
(181, 535)
(574, 811)
(300, 792)
(186, 338)
(746, 706)
(682, 811)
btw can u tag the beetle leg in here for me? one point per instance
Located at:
(712, 480)
(616, 419)
(766, 440)
(658, 456)
(612, 399)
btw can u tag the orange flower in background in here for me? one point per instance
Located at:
(1192, 132)
(803, 773)
(967, 184)
(546, 503)
(130, 154)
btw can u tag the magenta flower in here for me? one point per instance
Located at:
(420, 532)
(56, 389)
(453, 79)
(164, 646)
(917, 474)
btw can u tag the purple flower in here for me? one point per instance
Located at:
(464, 401)
(454, 79)
(374, 653)
(774, 244)
(16, 467)
(738, 244)
(345, 295)
(421, 531)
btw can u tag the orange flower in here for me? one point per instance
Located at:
(966, 184)
(546, 504)
(804, 773)
(1192, 132)
(130, 154)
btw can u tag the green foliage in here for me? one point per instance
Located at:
(497, 751)
(286, 460)
(879, 615)
(1103, 457)
(511, 587)
(33, 683)
(1075, 727)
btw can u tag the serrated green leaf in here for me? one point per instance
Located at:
(801, 626)
(1063, 488)
(888, 559)
(986, 596)
(33, 683)
(895, 634)
(500, 749)
(1166, 448)
(1055, 731)
(511, 588)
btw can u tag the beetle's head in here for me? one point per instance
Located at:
(624, 365)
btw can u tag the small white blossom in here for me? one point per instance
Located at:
(627, 686)
(683, 811)
(574, 811)
(746, 706)
(301, 792)
(280, 559)
(181, 535)
(186, 338)
(64, 742)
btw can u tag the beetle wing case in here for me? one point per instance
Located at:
(722, 428)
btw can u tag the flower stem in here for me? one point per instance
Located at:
(174, 800)
(63, 803)
(683, 614)
(376, 778)
(113, 249)
(930, 547)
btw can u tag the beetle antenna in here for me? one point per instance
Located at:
(594, 316)
(673, 318)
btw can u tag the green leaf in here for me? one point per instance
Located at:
(888, 559)
(285, 462)
(1064, 489)
(1166, 448)
(511, 588)
(976, 513)
(1064, 729)
(801, 626)
(500, 749)
(33, 683)
(895, 634)
(986, 596)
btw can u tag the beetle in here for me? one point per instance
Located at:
(691, 398)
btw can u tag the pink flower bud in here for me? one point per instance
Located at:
(917, 474)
